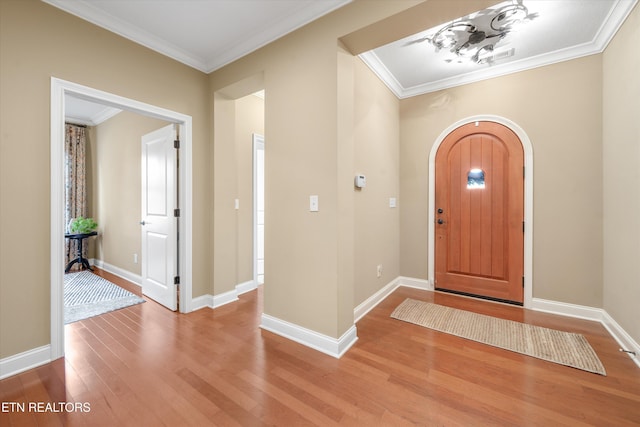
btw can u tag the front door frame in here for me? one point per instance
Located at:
(59, 89)
(528, 199)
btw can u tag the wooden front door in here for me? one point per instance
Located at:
(479, 237)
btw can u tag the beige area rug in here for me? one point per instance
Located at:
(554, 346)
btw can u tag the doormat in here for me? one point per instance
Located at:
(87, 295)
(564, 348)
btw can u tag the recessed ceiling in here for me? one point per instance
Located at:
(560, 30)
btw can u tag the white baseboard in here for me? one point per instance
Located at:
(367, 305)
(410, 282)
(594, 314)
(215, 301)
(24, 361)
(245, 287)
(224, 298)
(623, 338)
(204, 301)
(312, 339)
(136, 279)
(566, 309)
(211, 301)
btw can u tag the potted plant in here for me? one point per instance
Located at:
(82, 225)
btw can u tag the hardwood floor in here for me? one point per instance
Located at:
(147, 366)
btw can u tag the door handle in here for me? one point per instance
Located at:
(142, 222)
(440, 221)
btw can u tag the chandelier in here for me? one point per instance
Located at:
(474, 37)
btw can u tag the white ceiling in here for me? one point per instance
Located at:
(208, 34)
(81, 112)
(204, 34)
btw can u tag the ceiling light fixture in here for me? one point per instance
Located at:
(474, 37)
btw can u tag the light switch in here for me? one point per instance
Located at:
(237, 204)
(313, 204)
(392, 202)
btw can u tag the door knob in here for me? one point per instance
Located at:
(440, 221)
(440, 210)
(142, 222)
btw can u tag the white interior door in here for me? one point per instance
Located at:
(258, 173)
(159, 225)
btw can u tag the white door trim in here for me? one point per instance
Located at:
(60, 88)
(528, 198)
(257, 140)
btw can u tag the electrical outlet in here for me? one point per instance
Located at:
(135, 258)
(379, 270)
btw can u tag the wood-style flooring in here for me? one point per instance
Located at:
(147, 366)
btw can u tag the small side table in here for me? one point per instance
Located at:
(79, 237)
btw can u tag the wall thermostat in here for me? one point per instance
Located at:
(360, 181)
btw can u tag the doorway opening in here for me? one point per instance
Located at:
(528, 199)
(103, 182)
(239, 117)
(60, 89)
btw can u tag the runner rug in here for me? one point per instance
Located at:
(87, 295)
(564, 348)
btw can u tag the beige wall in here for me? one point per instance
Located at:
(224, 221)
(621, 155)
(309, 256)
(116, 188)
(560, 109)
(38, 41)
(377, 156)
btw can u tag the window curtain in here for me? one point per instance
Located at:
(75, 184)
